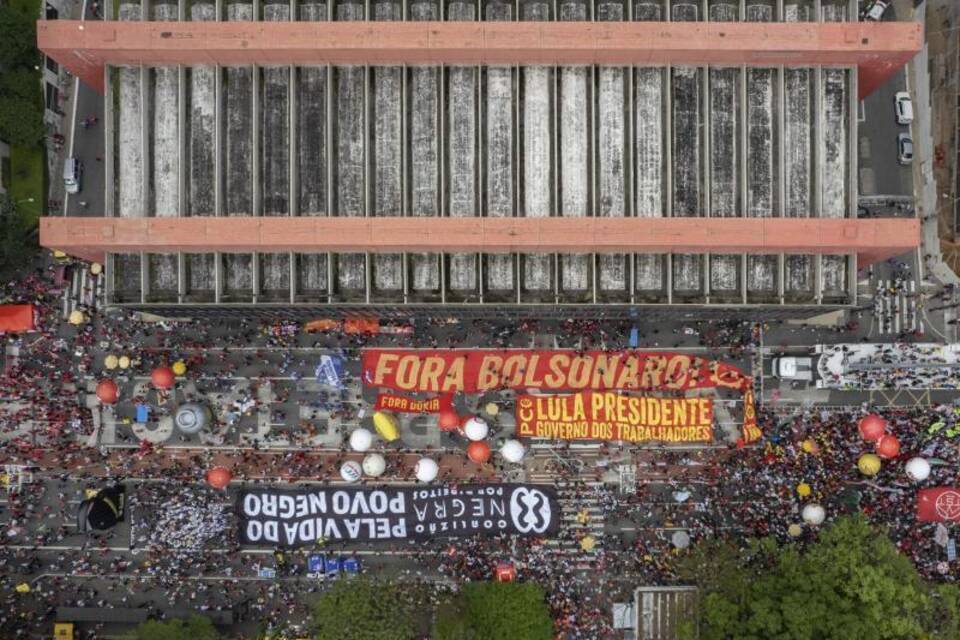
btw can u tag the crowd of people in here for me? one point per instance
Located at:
(181, 550)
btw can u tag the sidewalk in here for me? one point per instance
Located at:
(933, 131)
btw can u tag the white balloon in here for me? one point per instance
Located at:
(512, 451)
(680, 539)
(351, 471)
(813, 514)
(476, 428)
(918, 469)
(427, 470)
(361, 440)
(374, 465)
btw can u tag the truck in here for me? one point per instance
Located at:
(792, 368)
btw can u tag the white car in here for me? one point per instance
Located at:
(874, 10)
(903, 107)
(904, 149)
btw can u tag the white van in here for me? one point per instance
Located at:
(72, 175)
(903, 107)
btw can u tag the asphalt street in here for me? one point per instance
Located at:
(880, 173)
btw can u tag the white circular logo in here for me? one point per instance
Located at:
(530, 510)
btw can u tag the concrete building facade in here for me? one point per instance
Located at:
(662, 152)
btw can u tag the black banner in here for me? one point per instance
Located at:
(292, 518)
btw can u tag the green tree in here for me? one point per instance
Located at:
(21, 121)
(193, 628)
(18, 39)
(495, 611)
(18, 238)
(360, 609)
(851, 583)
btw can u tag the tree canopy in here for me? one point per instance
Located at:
(195, 628)
(21, 108)
(17, 238)
(851, 583)
(359, 609)
(495, 611)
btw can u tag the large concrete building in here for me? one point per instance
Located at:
(286, 156)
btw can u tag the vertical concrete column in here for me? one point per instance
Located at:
(818, 11)
(256, 81)
(293, 166)
(292, 264)
(442, 209)
(669, 278)
(668, 137)
(109, 146)
(218, 140)
(853, 162)
(818, 278)
(367, 275)
(255, 277)
(706, 266)
(181, 277)
(744, 262)
(331, 153)
(146, 109)
(744, 139)
(367, 144)
(817, 140)
(144, 277)
(182, 138)
(405, 195)
(593, 96)
(593, 276)
(782, 151)
(218, 278)
(781, 277)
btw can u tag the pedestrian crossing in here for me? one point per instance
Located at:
(581, 516)
(895, 308)
(85, 291)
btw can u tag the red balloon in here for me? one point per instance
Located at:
(888, 447)
(505, 572)
(448, 420)
(872, 427)
(108, 392)
(219, 477)
(162, 378)
(478, 451)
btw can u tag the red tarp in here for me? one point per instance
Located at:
(16, 317)
(941, 504)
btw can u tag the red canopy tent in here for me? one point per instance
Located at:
(15, 318)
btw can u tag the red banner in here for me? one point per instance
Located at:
(406, 404)
(941, 504)
(610, 416)
(475, 370)
(478, 370)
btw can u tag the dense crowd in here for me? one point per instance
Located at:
(181, 550)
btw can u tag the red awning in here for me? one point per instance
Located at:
(16, 317)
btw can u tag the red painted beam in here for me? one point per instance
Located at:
(877, 48)
(91, 238)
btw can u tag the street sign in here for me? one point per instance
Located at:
(332, 566)
(350, 565)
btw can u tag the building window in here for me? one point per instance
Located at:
(52, 13)
(53, 97)
(52, 65)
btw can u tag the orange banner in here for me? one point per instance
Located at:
(405, 404)
(611, 416)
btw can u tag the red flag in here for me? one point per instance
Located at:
(941, 504)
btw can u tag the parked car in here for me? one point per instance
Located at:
(904, 149)
(903, 107)
(874, 10)
(72, 175)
